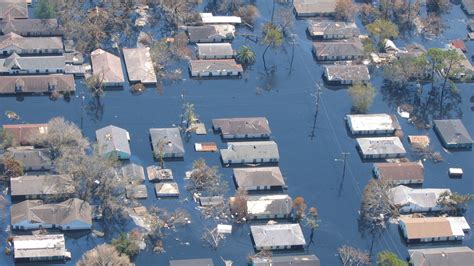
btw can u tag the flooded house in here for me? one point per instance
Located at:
(468, 7)
(156, 174)
(215, 68)
(35, 248)
(380, 148)
(314, 8)
(277, 237)
(433, 229)
(169, 141)
(242, 128)
(139, 65)
(32, 159)
(13, 9)
(268, 207)
(402, 173)
(108, 67)
(453, 134)
(206, 147)
(214, 51)
(346, 74)
(15, 64)
(41, 186)
(72, 214)
(410, 200)
(210, 201)
(13, 43)
(136, 192)
(36, 84)
(259, 179)
(134, 173)
(459, 256)
(114, 142)
(25, 134)
(466, 69)
(338, 50)
(296, 260)
(372, 124)
(332, 30)
(31, 27)
(211, 33)
(209, 18)
(250, 152)
(167, 189)
(192, 262)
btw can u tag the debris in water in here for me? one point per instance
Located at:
(12, 115)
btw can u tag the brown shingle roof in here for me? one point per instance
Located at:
(108, 65)
(24, 134)
(36, 84)
(417, 228)
(13, 9)
(400, 171)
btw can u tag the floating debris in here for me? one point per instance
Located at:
(12, 115)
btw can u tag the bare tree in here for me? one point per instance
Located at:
(103, 255)
(206, 180)
(351, 256)
(239, 205)
(11, 167)
(212, 237)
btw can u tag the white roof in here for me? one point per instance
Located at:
(30, 246)
(458, 225)
(372, 122)
(208, 18)
(424, 197)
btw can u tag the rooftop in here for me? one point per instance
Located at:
(296, 260)
(192, 262)
(339, 48)
(400, 171)
(242, 126)
(13, 9)
(277, 235)
(214, 49)
(381, 145)
(134, 173)
(459, 256)
(170, 138)
(309, 7)
(18, 42)
(169, 189)
(373, 122)
(453, 131)
(424, 197)
(108, 66)
(269, 205)
(41, 185)
(320, 28)
(31, 63)
(260, 176)
(139, 65)
(35, 246)
(209, 18)
(216, 65)
(23, 26)
(112, 139)
(238, 151)
(25, 134)
(156, 174)
(346, 72)
(37, 84)
(433, 227)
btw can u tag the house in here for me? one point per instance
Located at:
(242, 128)
(459, 44)
(74, 58)
(136, 192)
(470, 25)
(433, 229)
(419, 140)
(169, 141)
(380, 147)
(346, 74)
(13, 43)
(37, 84)
(134, 173)
(33, 248)
(215, 68)
(214, 51)
(114, 142)
(210, 201)
(209, 18)
(277, 237)
(402, 173)
(259, 179)
(108, 67)
(372, 124)
(453, 134)
(332, 30)
(313, 8)
(168, 189)
(211, 33)
(250, 152)
(206, 147)
(268, 206)
(15, 64)
(72, 214)
(411, 200)
(459, 256)
(156, 174)
(139, 65)
(40, 186)
(338, 50)
(192, 262)
(31, 27)
(32, 159)
(295, 260)
(25, 134)
(13, 9)
(468, 7)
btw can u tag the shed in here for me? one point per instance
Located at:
(453, 134)
(338, 50)
(139, 65)
(108, 67)
(215, 68)
(40, 248)
(401, 173)
(169, 141)
(156, 174)
(259, 178)
(206, 147)
(250, 152)
(114, 142)
(134, 173)
(211, 201)
(242, 128)
(380, 147)
(372, 124)
(136, 192)
(214, 51)
(346, 74)
(277, 237)
(168, 189)
(459, 256)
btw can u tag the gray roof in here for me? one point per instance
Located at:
(201, 32)
(30, 43)
(31, 158)
(261, 176)
(453, 131)
(39, 246)
(12, 9)
(297, 260)
(137, 192)
(192, 262)
(314, 6)
(39, 26)
(134, 172)
(166, 189)
(155, 173)
(215, 65)
(113, 139)
(41, 185)
(339, 48)
(237, 151)
(269, 205)
(400, 171)
(424, 197)
(171, 138)
(381, 145)
(277, 235)
(459, 256)
(107, 65)
(37, 84)
(242, 126)
(346, 72)
(139, 65)
(319, 28)
(214, 49)
(468, 5)
(32, 63)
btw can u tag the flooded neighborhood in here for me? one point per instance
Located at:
(236, 132)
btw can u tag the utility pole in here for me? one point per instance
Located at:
(82, 109)
(293, 42)
(343, 160)
(318, 98)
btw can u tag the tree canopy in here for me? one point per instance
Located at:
(362, 96)
(388, 258)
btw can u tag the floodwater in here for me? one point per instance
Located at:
(308, 163)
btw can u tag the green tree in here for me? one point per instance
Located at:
(45, 9)
(124, 245)
(272, 38)
(454, 202)
(245, 55)
(362, 96)
(404, 69)
(382, 29)
(387, 258)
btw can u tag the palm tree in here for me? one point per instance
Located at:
(245, 55)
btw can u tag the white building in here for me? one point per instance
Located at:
(372, 124)
(412, 200)
(40, 248)
(433, 229)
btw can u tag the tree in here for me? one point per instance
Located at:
(272, 38)
(406, 68)
(12, 167)
(206, 180)
(124, 245)
(103, 255)
(345, 10)
(454, 202)
(190, 117)
(299, 208)
(160, 152)
(248, 14)
(45, 9)
(285, 19)
(351, 256)
(239, 205)
(311, 221)
(362, 96)
(387, 258)
(177, 12)
(437, 6)
(245, 56)
(212, 237)
(95, 84)
(382, 29)
(6, 140)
